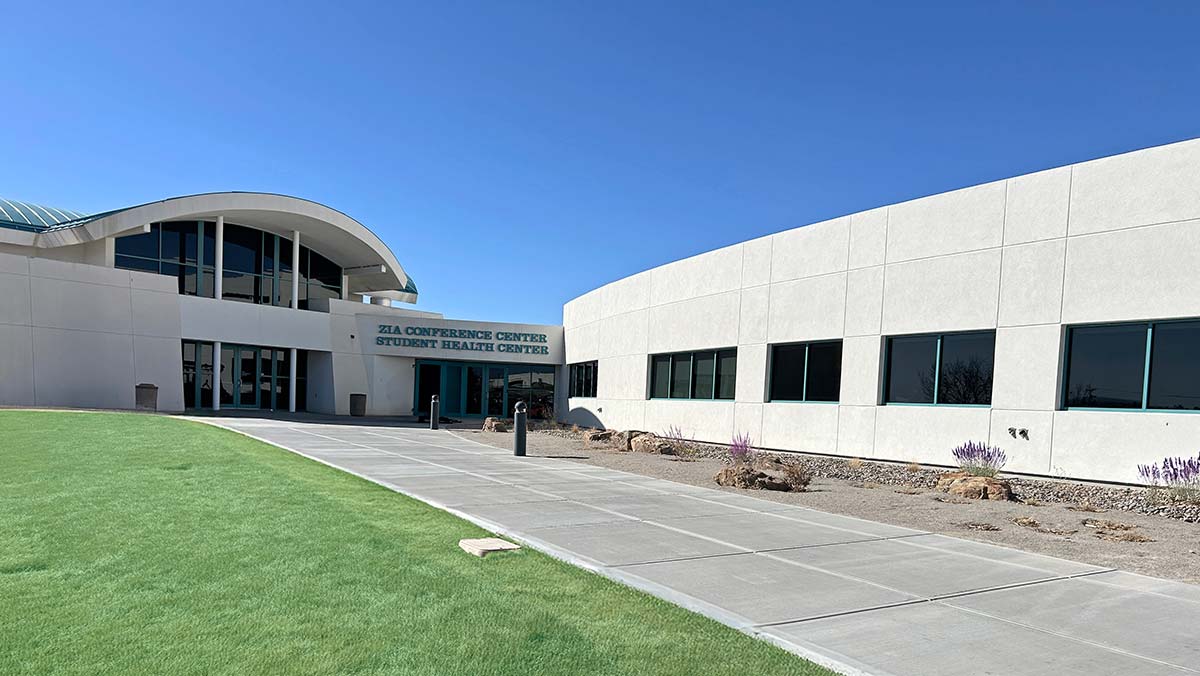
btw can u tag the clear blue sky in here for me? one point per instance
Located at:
(517, 154)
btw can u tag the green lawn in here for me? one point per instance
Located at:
(138, 544)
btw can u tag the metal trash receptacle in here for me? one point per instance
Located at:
(358, 405)
(146, 397)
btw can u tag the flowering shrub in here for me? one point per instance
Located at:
(978, 459)
(679, 443)
(741, 452)
(1180, 476)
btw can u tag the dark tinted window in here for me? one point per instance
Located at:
(131, 263)
(965, 376)
(144, 245)
(179, 241)
(824, 371)
(726, 373)
(243, 249)
(583, 379)
(787, 372)
(1105, 366)
(324, 271)
(704, 371)
(911, 364)
(1175, 366)
(660, 376)
(681, 375)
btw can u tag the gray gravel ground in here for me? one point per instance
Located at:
(882, 496)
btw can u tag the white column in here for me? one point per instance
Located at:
(292, 380)
(217, 371)
(345, 287)
(295, 282)
(219, 264)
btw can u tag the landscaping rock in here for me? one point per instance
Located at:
(742, 476)
(594, 436)
(974, 487)
(623, 441)
(648, 443)
(494, 425)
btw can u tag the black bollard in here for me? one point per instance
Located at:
(519, 429)
(434, 413)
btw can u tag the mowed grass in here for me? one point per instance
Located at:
(137, 544)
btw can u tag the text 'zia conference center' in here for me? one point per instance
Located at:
(1055, 314)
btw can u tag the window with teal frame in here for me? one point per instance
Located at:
(948, 369)
(806, 372)
(703, 374)
(1138, 366)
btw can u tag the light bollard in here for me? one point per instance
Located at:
(434, 413)
(519, 429)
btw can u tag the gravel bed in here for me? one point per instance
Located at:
(1050, 521)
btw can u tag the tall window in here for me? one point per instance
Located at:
(707, 374)
(583, 379)
(952, 369)
(258, 265)
(806, 371)
(1141, 366)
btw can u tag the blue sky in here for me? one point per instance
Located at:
(517, 154)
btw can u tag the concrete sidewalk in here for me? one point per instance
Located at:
(857, 596)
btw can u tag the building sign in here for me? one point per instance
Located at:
(461, 340)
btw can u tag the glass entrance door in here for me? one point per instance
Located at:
(240, 376)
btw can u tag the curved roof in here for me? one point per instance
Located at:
(370, 266)
(34, 217)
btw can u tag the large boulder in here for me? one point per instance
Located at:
(972, 487)
(744, 476)
(623, 441)
(648, 443)
(491, 424)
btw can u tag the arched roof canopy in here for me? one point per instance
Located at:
(368, 263)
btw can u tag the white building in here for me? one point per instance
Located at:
(241, 300)
(1053, 314)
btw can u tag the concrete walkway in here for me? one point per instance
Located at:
(857, 596)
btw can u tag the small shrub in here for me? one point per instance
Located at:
(1179, 476)
(682, 445)
(741, 449)
(855, 463)
(978, 459)
(797, 475)
(913, 467)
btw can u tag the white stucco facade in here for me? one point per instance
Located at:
(1110, 240)
(79, 327)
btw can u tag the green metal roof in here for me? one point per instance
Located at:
(34, 217)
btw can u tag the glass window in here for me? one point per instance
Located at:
(582, 379)
(210, 242)
(323, 271)
(1106, 366)
(131, 263)
(824, 372)
(726, 373)
(542, 392)
(243, 249)
(911, 361)
(518, 390)
(660, 376)
(962, 376)
(144, 245)
(965, 375)
(179, 241)
(495, 391)
(681, 375)
(693, 375)
(1175, 367)
(704, 371)
(787, 372)
(240, 287)
(189, 374)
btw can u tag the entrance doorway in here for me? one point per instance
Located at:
(474, 390)
(429, 383)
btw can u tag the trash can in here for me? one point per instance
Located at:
(146, 397)
(358, 405)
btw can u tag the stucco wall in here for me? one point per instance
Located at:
(83, 335)
(1106, 240)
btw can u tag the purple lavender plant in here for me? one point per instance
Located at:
(741, 450)
(1180, 476)
(978, 459)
